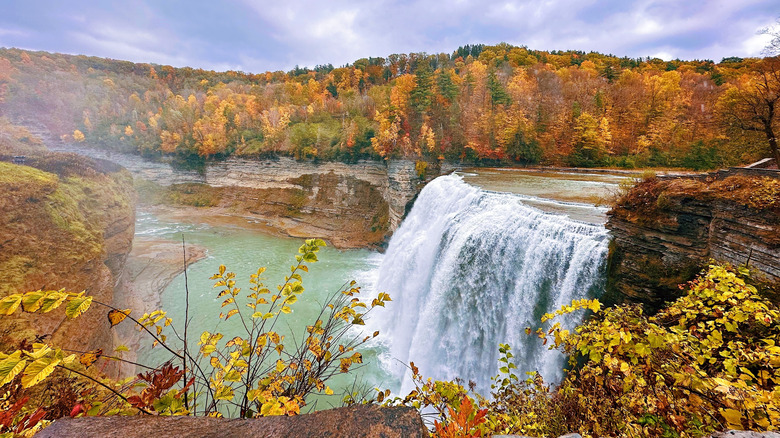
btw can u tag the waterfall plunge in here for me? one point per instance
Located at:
(469, 269)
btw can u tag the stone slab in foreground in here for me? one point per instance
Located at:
(356, 421)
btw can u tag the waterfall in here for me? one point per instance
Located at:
(469, 269)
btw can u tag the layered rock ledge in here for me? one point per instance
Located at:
(351, 205)
(666, 229)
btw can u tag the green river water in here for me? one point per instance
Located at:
(243, 252)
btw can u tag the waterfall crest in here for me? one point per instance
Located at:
(469, 269)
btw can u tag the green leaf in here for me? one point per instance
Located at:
(32, 301)
(53, 300)
(77, 306)
(310, 257)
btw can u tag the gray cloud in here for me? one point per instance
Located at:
(260, 35)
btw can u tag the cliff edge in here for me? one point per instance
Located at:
(66, 221)
(666, 229)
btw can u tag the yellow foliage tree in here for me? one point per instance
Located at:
(78, 136)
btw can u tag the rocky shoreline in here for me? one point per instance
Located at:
(150, 267)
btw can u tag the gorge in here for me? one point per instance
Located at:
(492, 241)
(468, 267)
(460, 248)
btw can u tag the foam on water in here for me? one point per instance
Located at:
(469, 269)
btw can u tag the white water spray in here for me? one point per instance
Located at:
(469, 269)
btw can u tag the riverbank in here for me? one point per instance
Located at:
(150, 267)
(347, 212)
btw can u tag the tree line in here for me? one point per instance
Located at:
(498, 104)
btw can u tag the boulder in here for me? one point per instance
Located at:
(744, 434)
(349, 422)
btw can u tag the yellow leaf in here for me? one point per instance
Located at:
(9, 304)
(75, 307)
(39, 370)
(271, 408)
(733, 417)
(11, 366)
(117, 316)
(90, 357)
(224, 393)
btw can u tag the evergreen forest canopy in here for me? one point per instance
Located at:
(480, 104)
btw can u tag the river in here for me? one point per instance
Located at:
(480, 256)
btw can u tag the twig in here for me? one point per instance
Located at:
(186, 321)
(117, 393)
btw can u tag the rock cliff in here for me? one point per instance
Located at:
(65, 222)
(352, 205)
(666, 230)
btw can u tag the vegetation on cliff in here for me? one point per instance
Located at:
(480, 104)
(649, 199)
(54, 217)
(65, 221)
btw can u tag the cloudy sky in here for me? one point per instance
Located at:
(256, 36)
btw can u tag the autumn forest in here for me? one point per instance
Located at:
(480, 104)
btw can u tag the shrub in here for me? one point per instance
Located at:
(255, 374)
(710, 360)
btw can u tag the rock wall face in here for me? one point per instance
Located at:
(65, 222)
(666, 230)
(352, 205)
(341, 185)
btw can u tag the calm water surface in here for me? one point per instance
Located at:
(243, 252)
